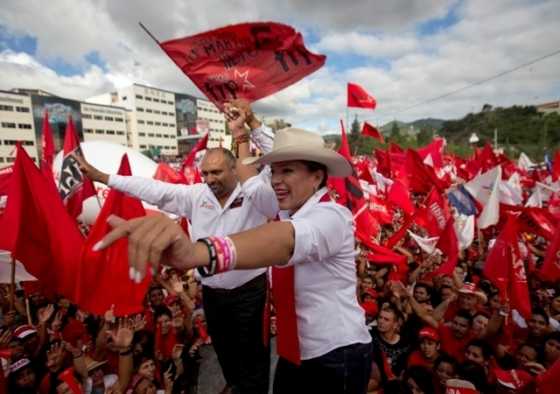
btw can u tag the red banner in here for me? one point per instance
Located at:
(248, 60)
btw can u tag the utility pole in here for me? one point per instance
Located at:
(496, 138)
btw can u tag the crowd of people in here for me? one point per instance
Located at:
(416, 332)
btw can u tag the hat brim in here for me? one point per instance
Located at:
(479, 294)
(336, 164)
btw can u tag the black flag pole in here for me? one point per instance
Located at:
(148, 32)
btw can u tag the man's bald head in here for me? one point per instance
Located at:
(218, 171)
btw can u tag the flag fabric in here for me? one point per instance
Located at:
(462, 201)
(105, 273)
(372, 131)
(549, 381)
(550, 270)
(510, 191)
(435, 214)
(449, 245)
(73, 186)
(398, 196)
(47, 145)
(165, 173)
(201, 145)
(5, 177)
(248, 60)
(427, 244)
(505, 268)
(485, 188)
(556, 167)
(43, 236)
(421, 177)
(464, 229)
(433, 153)
(379, 209)
(359, 98)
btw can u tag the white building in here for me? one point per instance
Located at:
(209, 116)
(104, 123)
(16, 124)
(151, 116)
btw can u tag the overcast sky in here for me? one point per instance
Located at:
(402, 51)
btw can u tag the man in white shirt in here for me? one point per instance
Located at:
(233, 301)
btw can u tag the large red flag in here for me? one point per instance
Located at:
(550, 270)
(372, 131)
(359, 98)
(421, 177)
(436, 213)
(41, 233)
(105, 273)
(248, 60)
(73, 186)
(5, 177)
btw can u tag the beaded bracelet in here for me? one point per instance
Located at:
(211, 268)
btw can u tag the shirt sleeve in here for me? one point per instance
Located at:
(259, 191)
(262, 137)
(321, 234)
(175, 199)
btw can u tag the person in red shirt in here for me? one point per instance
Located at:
(455, 336)
(428, 350)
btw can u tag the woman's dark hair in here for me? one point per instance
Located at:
(313, 166)
(162, 310)
(422, 377)
(444, 358)
(474, 373)
(484, 347)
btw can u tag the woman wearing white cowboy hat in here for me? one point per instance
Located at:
(323, 341)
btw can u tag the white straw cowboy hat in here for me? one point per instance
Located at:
(297, 144)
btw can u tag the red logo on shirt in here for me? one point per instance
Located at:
(207, 205)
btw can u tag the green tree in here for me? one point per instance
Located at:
(424, 137)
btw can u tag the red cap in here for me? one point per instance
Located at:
(24, 331)
(430, 333)
(370, 307)
(515, 379)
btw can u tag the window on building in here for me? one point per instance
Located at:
(156, 111)
(120, 132)
(88, 131)
(10, 159)
(109, 118)
(22, 109)
(139, 109)
(172, 124)
(158, 123)
(118, 119)
(148, 99)
(9, 125)
(142, 146)
(150, 134)
(138, 96)
(98, 131)
(110, 132)
(150, 123)
(24, 126)
(6, 108)
(149, 110)
(141, 134)
(158, 135)
(141, 122)
(86, 116)
(157, 100)
(97, 117)
(1, 160)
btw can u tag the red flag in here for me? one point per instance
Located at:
(398, 196)
(200, 145)
(549, 381)
(505, 268)
(248, 60)
(550, 270)
(42, 235)
(5, 176)
(106, 273)
(372, 131)
(359, 98)
(433, 152)
(436, 213)
(556, 167)
(74, 187)
(421, 177)
(167, 174)
(47, 143)
(378, 207)
(449, 245)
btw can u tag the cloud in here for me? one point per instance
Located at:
(486, 38)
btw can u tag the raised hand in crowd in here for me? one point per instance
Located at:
(45, 314)
(90, 171)
(122, 334)
(5, 339)
(55, 357)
